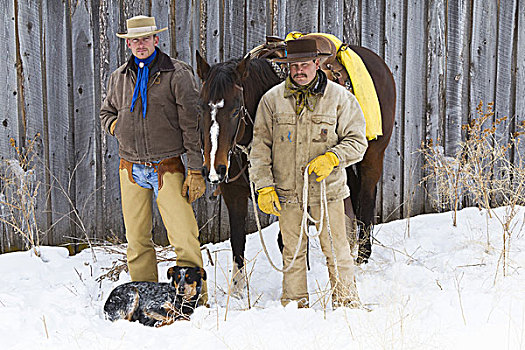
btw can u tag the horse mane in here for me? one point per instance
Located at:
(261, 77)
(220, 79)
(223, 77)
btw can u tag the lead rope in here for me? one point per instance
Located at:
(304, 223)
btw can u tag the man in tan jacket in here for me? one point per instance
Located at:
(150, 108)
(308, 121)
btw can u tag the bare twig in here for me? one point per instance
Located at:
(457, 283)
(45, 326)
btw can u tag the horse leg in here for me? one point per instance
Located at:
(352, 181)
(369, 172)
(351, 205)
(236, 200)
(280, 243)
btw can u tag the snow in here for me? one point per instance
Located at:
(429, 285)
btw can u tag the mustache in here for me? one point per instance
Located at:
(299, 75)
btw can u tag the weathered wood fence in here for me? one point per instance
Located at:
(446, 56)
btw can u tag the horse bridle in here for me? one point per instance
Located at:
(244, 116)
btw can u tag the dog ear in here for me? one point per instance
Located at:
(203, 274)
(171, 273)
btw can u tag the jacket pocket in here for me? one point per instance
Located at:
(323, 134)
(323, 129)
(284, 151)
(124, 129)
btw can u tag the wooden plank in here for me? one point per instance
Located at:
(161, 10)
(520, 79)
(372, 37)
(255, 23)
(198, 38)
(183, 22)
(206, 209)
(9, 126)
(31, 103)
(57, 134)
(352, 22)
(97, 129)
(84, 123)
(505, 83)
(214, 37)
(131, 8)
(331, 17)
(110, 58)
(435, 95)
(277, 15)
(373, 25)
(234, 29)
(395, 35)
(483, 54)
(9, 99)
(302, 16)
(458, 36)
(414, 127)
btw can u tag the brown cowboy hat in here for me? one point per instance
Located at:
(140, 26)
(301, 50)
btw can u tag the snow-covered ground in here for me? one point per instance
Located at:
(429, 286)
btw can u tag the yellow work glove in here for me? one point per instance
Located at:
(323, 165)
(269, 201)
(112, 127)
(194, 185)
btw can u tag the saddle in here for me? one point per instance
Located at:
(334, 70)
(343, 66)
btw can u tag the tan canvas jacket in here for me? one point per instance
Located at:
(171, 124)
(284, 143)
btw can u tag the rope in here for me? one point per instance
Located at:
(304, 223)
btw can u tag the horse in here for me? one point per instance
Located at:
(228, 101)
(229, 97)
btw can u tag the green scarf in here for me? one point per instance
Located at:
(305, 95)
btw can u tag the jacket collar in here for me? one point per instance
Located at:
(320, 87)
(163, 63)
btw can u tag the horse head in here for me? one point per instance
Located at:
(222, 113)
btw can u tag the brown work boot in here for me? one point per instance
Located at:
(301, 303)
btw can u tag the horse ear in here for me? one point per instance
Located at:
(242, 67)
(203, 68)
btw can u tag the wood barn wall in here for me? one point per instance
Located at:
(446, 56)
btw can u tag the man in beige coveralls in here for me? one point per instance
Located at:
(308, 121)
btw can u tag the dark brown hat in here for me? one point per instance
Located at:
(301, 50)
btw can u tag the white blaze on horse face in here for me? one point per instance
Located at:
(214, 138)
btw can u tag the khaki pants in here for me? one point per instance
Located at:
(294, 281)
(177, 215)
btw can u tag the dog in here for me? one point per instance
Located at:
(157, 304)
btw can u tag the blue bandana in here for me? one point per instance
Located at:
(142, 82)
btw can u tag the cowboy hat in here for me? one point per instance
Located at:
(140, 26)
(301, 50)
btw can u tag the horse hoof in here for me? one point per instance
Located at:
(238, 281)
(364, 252)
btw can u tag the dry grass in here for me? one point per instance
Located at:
(18, 194)
(487, 171)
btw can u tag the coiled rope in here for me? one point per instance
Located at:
(304, 223)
